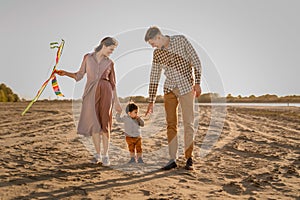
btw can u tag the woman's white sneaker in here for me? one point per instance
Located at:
(97, 159)
(105, 161)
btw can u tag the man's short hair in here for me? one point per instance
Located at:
(151, 33)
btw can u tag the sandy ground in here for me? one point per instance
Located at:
(240, 153)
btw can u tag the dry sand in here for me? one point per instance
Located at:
(257, 156)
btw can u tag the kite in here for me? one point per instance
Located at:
(52, 76)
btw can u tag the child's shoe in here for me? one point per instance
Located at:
(140, 160)
(132, 160)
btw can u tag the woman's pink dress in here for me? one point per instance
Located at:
(98, 96)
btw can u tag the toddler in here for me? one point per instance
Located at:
(132, 123)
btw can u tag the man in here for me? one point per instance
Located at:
(182, 68)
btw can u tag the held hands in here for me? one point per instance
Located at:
(149, 109)
(118, 108)
(197, 90)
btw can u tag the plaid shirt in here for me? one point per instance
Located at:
(178, 62)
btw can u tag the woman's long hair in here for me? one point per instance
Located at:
(107, 41)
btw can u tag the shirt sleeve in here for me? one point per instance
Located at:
(154, 77)
(192, 54)
(79, 75)
(140, 122)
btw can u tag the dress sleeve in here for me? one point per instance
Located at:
(112, 77)
(79, 75)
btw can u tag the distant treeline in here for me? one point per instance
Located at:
(267, 98)
(216, 98)
(7, 95)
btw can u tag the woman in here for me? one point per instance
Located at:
(98, 97)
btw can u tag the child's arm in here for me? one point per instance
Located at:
(140, 121)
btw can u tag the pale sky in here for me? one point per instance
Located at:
(246, 46)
